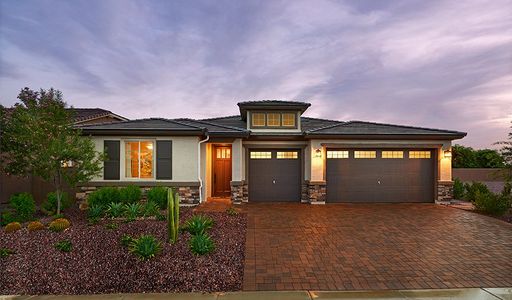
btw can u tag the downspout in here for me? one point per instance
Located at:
(199, 167)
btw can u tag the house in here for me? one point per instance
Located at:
(270, 152)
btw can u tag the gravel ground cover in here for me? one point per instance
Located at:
(99, 263)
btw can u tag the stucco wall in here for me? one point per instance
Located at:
(184, 157)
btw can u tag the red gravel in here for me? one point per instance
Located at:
(99, 264)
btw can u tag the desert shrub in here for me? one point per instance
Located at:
(104, 196)
(132, 211)
(130, 194)
(49, 207)
(5, 252)
(145, 247)
(232, 211)
(6, 218)
(35, 225)
(12, 227)
(201, 244)
(126, 240)
(94, 213)
(115, 210)
(507, 189)
(24, 207)
(198, 224)
(491, 203)
(472, 188)
(59, 225)
(458, 189)
(112, 226)
(158, 195)
(151, 209)
(64, 246)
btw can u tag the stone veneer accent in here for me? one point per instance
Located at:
(444, 192)
(188, 194)
(316, 192)
(239, 192)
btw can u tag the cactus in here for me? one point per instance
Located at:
(59, 225)
(12, 227)
(173, 215)
(35, 225)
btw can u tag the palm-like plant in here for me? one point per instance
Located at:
(115, 210)
(132, 211)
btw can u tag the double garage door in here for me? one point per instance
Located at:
(353, 175)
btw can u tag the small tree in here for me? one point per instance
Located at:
(38, 138)
(506, 152)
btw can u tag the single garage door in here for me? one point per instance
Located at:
(274, 175)
(380, 175)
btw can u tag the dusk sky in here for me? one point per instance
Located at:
(441, 64)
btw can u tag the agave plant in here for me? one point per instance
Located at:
(145, 247)
(151, 209)
(201, 244)
(132, 211)
(198, 224)
(115, 210)
(94, 213)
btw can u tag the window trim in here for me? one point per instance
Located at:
(331, 152)
(392, 154)
(430, 154)
(374, 156)
(280, 112)
(264, 120)
(295, 154)
(153, 157)
(251, 152)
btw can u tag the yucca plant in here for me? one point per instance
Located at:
(173, 215)
(145, 247)
(132, 211)
(201, 244)
(151, 209)
(94, 213)
(198, 224)
(64, 246)
(115, 210)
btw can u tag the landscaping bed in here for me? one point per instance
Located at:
(98, 263)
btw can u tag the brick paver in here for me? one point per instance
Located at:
(377, 247)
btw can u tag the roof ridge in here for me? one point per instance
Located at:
(322, 119)
(217, 118)
(327, 126)
(403, 126)
(142, 119)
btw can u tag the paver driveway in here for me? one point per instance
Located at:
(374, 246)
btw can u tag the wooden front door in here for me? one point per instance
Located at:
(221, 171)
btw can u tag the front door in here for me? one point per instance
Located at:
(221, 171)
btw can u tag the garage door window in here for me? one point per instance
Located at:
(365, 154)
(261, 155)
(337, 154)
(419, 154)
(392, 154)
(288, 155)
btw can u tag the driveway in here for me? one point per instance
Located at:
(374, 246)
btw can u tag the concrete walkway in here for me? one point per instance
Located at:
(474, 293)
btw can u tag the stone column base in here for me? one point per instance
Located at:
(444, 192)
(316, 192)
(239, 192)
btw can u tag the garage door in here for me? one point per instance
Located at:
(274, 175)
(380, 175)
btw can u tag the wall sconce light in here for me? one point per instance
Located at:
(447, 153)
(318, 153)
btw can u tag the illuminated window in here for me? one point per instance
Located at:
(258, 119)
(288, 155)
(139, 159)
(392, 154)
(419, 154)
(365, 154)
(337, 154)
(288, 119)
(261, 155)
(223, 153)
(273, 119)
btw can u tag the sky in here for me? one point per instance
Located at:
(439, 64)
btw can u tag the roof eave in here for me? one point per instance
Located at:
(144, 132)
(451, 136)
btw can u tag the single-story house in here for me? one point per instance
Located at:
(270, 152)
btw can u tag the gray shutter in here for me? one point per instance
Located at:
(163, 159)
(111, 167)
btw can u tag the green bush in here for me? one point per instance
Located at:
(112, 226)
(130, 194)
(507, 189)
(491, 203)
(94, 213)
(64, 246)
(145, 247)
(115, 210)
(50, 205)
(198, 224)
(104, 196)
(24, 207)
(132, 211)
(472, 188)
(151, 209)
(201, 244)
(458, 189)
(158, 195)
(160, 217)
(6, 218)
(126, 240)
(5, 252)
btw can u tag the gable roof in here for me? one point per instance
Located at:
(158, 126)
(81, 115)
(244, 106)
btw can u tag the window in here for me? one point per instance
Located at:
(288, 119)
(139, 159)
(223, 153)
(392, 154)
(337, 154)
(365, 154)
(258, 119)
(419, 154)
(274, 119)
(261, 155)
(287, 155)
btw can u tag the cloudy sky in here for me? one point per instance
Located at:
(444, 64)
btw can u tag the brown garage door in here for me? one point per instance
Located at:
(380, 175)
(274, 175)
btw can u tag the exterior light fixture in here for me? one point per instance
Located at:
(447, 153)
(318, 153)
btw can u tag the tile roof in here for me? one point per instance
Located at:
(85, 114)
(143, 124)
(273, 102)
